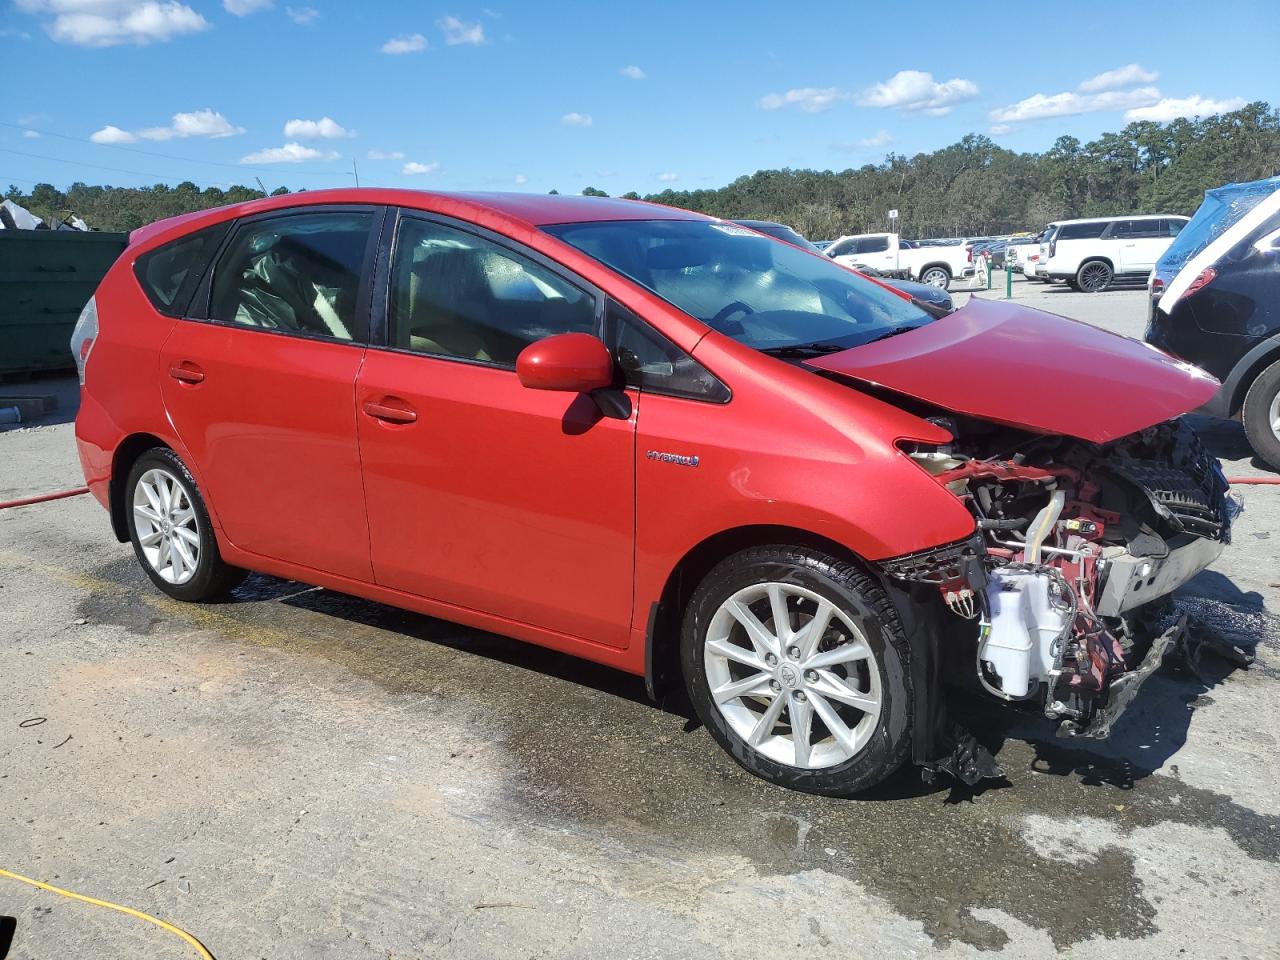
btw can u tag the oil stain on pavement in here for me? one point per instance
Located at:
(586, 751)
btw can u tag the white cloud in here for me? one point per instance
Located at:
(1000, 129)
(633, 73)
(881, 138)
(808, 99)
(289, 153)
(302, 15)
(405, 43)
(242, 8)
(1193, 106)
(112, 134)
(521, 178)
(30, 135)
(917, 90)
(457, 32)
(385, 155)
(322, 129)
(668, 177)
(1067, 104)
(201, 123)
(1130, 75)
(413, 168)
(576, 120)
(105, 23)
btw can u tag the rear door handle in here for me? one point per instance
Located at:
(186, 372)
(390, 410)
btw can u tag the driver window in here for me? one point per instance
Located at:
(455, 294)
(295, 274)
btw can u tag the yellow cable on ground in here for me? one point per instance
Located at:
(200, 948)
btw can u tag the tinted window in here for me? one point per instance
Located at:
(458, 295)
(767, 295)
(296, 274)
(169, 274)
(654, 364)
(874, 245)
(1171, 228)
(1081, 231)
(842, 248)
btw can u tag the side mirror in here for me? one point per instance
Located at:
(575, 362)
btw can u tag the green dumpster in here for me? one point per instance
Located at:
(46, 277)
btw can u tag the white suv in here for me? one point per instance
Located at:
(1090, 254)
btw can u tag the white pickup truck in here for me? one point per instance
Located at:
(889, 256)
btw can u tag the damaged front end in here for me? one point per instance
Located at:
(1074, 543)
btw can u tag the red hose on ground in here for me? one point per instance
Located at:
(61, 494)
(1245, 481)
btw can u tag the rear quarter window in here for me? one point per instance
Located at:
(1081, 231)
(169, 274)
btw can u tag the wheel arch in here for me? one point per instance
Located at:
(1095, 258)
(1248, 369)
(662, 628)
(126, 455)
(940, 264)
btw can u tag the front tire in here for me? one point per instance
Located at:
(797, 664)
(1261, 416)
(170, 529)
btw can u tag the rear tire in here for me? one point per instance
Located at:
(170, 530)
(936, 277)
(1261, 415)
(826, 713)
(1094, 276)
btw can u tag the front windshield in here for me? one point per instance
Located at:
(760, 291)
(1222, 209)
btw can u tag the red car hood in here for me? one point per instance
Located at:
(1028, 369)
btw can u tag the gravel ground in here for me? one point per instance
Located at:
(297, 774)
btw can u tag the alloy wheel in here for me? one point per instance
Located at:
(166, 525)
(1273, 415)
(792, 675)
(1094, 277)
(935, 278)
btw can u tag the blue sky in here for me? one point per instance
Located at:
(620, 96)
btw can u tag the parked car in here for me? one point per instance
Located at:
(924, 292)
(1091, 254)
(658, 441)
(1016, 250)
(1215, 301)
(889, 256)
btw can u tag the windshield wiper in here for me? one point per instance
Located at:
(805, 349)
(892, 333)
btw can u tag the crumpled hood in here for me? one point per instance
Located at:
(1029, 369)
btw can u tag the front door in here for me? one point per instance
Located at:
(260, 386)
(483, 493)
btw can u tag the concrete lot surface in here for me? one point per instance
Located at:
(297, 774)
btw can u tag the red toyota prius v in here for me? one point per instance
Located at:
(660, 441)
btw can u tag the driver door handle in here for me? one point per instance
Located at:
(390, 410)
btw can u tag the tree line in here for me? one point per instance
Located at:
(970, 188)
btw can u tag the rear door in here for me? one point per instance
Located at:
(1139, 244)
(483, 493)
(259, 381)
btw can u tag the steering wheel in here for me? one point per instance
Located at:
(728, 311)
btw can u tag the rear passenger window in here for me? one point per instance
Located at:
(295, 274)
(455, 294)
(168, 275)
(874, 245)
(1171, 228)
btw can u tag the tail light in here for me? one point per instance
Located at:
(1053, 246)
(1204, 278)
(1157, 286)
(969, 251)
(82, 337)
